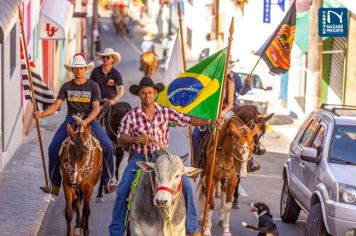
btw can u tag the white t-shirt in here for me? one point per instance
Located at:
(147, 46)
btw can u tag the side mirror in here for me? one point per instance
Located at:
(310, 155)
(268, 88)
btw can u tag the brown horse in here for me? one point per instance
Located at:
(148, 63)
(81, 166)
(235, 147)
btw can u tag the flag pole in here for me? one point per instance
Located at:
(208, 195)
(33, 94)
(185, 67)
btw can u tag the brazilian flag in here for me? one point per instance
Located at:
(197, 90)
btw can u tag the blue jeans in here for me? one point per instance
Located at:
(196, 139)
(117, 226)
(61, 135)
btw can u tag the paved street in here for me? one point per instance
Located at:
(265, 185)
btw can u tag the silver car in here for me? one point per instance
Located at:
(320, 173)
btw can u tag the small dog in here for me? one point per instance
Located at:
(266, 227)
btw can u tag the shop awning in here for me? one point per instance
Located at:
(56, 16)
(8, 17)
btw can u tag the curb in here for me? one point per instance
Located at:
(41, 215)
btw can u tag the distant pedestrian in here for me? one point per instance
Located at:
(97, 44)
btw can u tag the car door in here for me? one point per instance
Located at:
(311, 171)
(297, 184)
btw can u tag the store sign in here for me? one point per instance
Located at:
(333, 22)
(266, 11)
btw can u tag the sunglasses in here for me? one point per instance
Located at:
(106, 57)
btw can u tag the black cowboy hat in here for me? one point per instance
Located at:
(146, 82)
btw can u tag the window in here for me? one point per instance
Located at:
(308, 133)
(13, 51)
(318, 140)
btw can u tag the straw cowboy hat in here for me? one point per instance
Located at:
(148, 37)
(110, 52)
(79, 61)
(145, 82)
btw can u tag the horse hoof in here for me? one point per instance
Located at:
(77, 232)
(99, 199)
(221, 222)
(236, 205)
(217, 195)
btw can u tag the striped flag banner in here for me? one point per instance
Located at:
(43, 95)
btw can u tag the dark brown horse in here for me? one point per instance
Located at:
(148, 63)
(235, 147)
(110, 117)
(81, 166)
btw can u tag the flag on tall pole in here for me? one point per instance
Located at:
(175, 62)
(197, 90)
(277, 49)
(43, 95)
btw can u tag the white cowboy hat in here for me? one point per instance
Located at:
(110, 52)
(148, 37)
(79, 61)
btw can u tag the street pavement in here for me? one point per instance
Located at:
(264, 185)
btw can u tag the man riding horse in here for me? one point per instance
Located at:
(108, 78)
(148, 58)
(82, 97)
(141, 128)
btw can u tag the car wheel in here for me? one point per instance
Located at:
(289, 209)
(315, 224)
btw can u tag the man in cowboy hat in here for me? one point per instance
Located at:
(141, 126)
(108, 78)
(82, 97)
(147, 43)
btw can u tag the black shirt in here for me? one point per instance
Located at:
(107, 82)
(79, 96)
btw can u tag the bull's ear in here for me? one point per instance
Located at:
(146, 166)
(184, 157)
(191, 171)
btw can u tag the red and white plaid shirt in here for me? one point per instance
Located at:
(136, 123)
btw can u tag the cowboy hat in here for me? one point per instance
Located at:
(110, 52)
(79, 61)
(148, 37)
(146, 82)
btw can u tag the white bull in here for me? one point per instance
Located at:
(161, 213)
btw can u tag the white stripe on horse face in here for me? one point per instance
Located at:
(245, 155)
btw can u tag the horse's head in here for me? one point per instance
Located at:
(78, 153)
(169, 170)
(242, 142)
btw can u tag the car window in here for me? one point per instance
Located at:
(308, 133)
(318, 140)
(344, 143)
(256, 81)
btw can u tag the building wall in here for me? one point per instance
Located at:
(350, 85)
(11, 109)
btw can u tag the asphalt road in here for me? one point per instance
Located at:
(264, 185)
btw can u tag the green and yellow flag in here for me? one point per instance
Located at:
(197, 90)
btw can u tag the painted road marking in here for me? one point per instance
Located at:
(137, 50)
(242, 192)
(266, 176)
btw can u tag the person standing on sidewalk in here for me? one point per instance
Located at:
(141, 126)
(82, 97)
(108, 78)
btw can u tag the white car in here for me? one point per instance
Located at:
(258, 95)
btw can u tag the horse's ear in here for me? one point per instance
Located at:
(146, 166)
(267, 118)
(256, 129)
(70, 131)
(191, 171)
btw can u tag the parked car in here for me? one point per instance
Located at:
(320, 173)
(258, 95)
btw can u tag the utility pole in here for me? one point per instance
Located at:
(315, 59)
(94, 26)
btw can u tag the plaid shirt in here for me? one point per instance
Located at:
(136, 123)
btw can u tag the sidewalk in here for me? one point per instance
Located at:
(22, 204)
